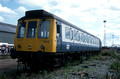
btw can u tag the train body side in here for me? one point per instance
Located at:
(71, 39)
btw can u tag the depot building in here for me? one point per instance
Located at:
(7, 33)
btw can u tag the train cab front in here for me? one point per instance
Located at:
(34, 36)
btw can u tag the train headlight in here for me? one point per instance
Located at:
(29, 46)
(42, 46)
(19, 46)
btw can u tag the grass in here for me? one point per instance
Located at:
(116, 64)
(116, 67)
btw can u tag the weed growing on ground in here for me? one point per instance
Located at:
(47, 75)
(0, 76)
(110, 53)
(76, 63)
(50, 75)
(118, 57)
(105, 53)
(116, 66)
(98, 57)
(118, 75)
(22, 76)
(65, 75)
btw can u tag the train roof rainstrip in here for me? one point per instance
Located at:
(36, 14)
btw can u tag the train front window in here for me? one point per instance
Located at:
(31, 31)
(43, 31)
(21, 30)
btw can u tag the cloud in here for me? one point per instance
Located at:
(6, 10)
(88, 14)
(34, 2)
(87, 10)
(88, 26)
(1, 18)
(5, 1)
(21, 9)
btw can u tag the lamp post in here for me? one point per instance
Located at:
(113, 39)
(104, 32)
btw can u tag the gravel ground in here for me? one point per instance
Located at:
(7, 64)
(95, 69)
(88, 69)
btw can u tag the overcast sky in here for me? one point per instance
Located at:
(86, 14)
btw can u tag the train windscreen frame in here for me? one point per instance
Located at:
(32, 28)
(21, 30)
(43, 30)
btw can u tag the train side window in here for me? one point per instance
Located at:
(96, 42)
(67, 33)
(93, 41)
(78, 36)
(71, 34)
(87, 39)
(81, 37)
(75, 35)
(90, 39)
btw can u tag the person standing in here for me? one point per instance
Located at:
(3, 50)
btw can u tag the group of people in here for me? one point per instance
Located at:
(5, 49)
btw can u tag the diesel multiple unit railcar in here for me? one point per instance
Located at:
(42, 36)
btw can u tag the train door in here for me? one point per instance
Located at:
(59, 37)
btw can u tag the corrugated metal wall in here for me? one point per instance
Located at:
(7, 37)
(7, 33)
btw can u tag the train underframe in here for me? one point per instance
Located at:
(46, 60)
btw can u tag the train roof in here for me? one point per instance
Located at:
(35, 14)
